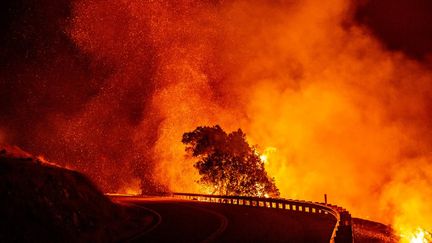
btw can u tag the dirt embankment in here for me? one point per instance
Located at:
(41, 202)
(371, 232)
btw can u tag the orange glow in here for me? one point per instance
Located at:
(133, 188)
(265, 156)
(42, 159)
(417, 235)
(348, 117)
(14, 151)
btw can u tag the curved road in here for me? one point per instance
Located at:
(178, 220)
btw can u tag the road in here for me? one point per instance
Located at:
(178, 220)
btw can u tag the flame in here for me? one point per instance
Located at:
(348, 117)
(300, 76)
(131, 188)
(417, 235)
(266, 154)
(43, 160)
(133, 191)
(263, 158)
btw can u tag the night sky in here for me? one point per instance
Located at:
(401, 24)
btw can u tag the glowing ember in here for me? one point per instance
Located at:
(302, 76)
(42, 159)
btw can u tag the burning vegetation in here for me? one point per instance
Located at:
(109, 87)
(227, 164)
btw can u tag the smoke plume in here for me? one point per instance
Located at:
(345, 115)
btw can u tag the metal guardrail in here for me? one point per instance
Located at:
(342, 231)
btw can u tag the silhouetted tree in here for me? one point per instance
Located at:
(227, 164)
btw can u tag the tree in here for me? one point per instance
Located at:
(227, 164)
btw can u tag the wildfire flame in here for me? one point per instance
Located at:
(418, 235)
(265, 155)
(133, 188)
(301, 76)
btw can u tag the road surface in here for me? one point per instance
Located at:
(177, 220)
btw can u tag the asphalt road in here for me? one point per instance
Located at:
(191, 221)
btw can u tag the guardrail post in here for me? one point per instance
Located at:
(344, 232)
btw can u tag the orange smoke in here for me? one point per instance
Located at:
(346, 116)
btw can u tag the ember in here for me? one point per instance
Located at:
(109, 87)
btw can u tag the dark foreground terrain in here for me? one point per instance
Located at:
(373, 232)
(190, 221)
(193, 221)
(41, 202)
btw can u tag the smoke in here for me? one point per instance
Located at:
(346, 116)
(2, 137)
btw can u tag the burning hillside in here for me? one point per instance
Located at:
(109, 87)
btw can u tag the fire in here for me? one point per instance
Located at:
(131, 188)
(301, 76)
(348, 116)
(266, 154)
(42, 159)
(263, 158)
(418, 235)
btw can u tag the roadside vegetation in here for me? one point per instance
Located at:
(227, 164)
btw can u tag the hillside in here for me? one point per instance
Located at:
(41, 202)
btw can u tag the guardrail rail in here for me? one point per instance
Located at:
(342, 232)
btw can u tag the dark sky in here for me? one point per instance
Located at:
(404, 25)
(37, 60)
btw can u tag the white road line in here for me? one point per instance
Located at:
(223, 223)
(157, 216)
